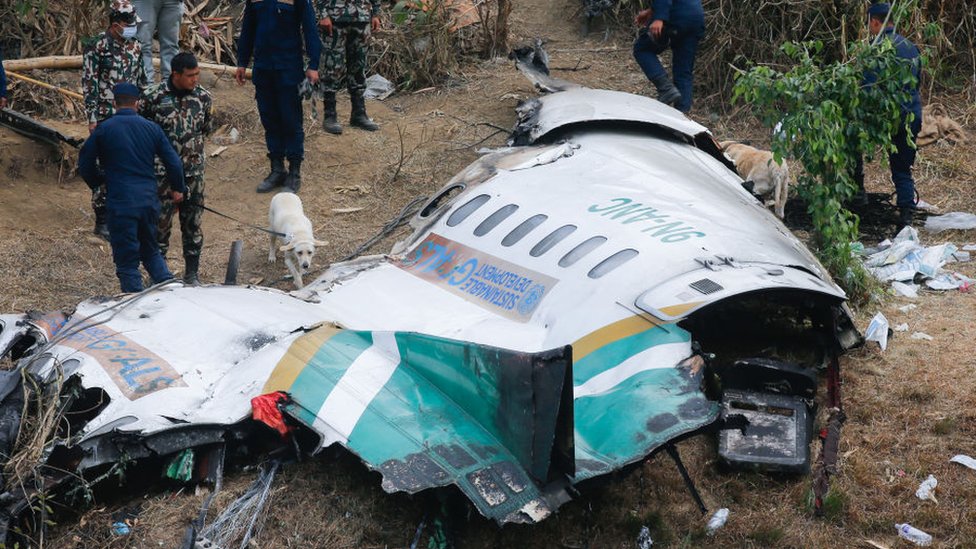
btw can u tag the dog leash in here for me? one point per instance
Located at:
(269, 231)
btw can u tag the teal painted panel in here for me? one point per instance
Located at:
(638, 416)
(419, 437)
(610, 355)
(322, 373)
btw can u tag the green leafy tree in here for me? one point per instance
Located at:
(827, 116)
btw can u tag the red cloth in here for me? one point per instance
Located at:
(265, 409)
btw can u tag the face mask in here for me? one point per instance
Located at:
(129, 32)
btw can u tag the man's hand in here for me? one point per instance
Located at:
(643, 17)
(176, 197)
(91, 127)
(374, 24)
(3, 102)
(657, 28)
(313, 76)
(326, 25)
(240, 75)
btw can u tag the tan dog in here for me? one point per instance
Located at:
(287, 217)
(758, 166)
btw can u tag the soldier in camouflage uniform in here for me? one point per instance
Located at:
(345, 26)
(111, 57)
(185, 112)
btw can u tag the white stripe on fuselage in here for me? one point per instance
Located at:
(660, 356)
(357, 388)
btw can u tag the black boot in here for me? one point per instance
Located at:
(330, 120)
(190, 270)
(666, 92)
(359, 118)
(905, 217)
(276, 177)
(101, 223)
(293, 181)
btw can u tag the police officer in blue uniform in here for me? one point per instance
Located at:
(902, 160)
(273, 33)
(126, 146)
(680, 25)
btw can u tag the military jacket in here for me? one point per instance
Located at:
(348, 11)
(185, 117)
(106, 63)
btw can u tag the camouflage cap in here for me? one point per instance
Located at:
(123, 10)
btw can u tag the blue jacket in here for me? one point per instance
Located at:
(680, 13)
(908, 51)
(3, 78)
(272, 33)
(127, 145)
(904, 49)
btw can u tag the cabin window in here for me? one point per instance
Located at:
(581, 250)
(553, 238)
(612, 262)
(524, 228)
(467, 209)
(494, 219)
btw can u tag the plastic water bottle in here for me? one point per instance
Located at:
(914, 535)
(717, 521)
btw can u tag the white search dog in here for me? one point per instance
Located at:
(287, 217)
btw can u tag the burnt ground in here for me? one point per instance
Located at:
(909, 409)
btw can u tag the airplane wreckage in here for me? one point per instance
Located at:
(564, 308)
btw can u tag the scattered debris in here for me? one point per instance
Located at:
(965, 461)
(926, 490)
(901, 327)
(922, 336)
(907, 308)
(25, 125)
(343, 189)
(878, 331)
(378, 88)
(950, 221)
(644, 540)
(124, 520)
(905, 260)
(717, 521)
(180, 468)
(218, 151)
(914, 535)
(905, 290)
(346, 210)
(226, 135)
(243, 519)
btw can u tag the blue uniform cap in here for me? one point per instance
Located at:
(880, 9)
(125, 88)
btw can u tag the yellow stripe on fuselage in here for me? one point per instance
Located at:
(627, 327)
(297, 356)
(610, 333)
(680, 309)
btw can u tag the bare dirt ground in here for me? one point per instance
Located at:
(909, 409)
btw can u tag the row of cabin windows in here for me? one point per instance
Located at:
(547, 242)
